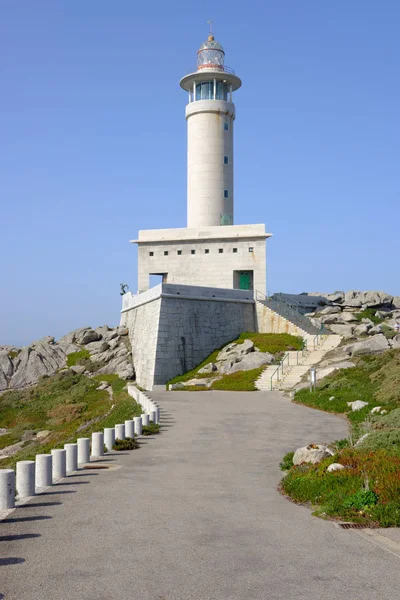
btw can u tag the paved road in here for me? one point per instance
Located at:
(194, 515)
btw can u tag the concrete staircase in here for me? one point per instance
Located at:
(296, 364)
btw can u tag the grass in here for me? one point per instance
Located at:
(368, 489)
(241, 381)
(369, 313)
(75, 358)
(62, 404)
(274, 343)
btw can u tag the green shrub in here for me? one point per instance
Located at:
(75, 358)
(126, 444)
(388, 332)
(287, 461)
(360, 500)
(150, 429)
(388, 440)
(389, 421)
(369, 313)
(13, 353)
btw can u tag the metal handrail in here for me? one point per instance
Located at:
(280, 366)
(218, 68)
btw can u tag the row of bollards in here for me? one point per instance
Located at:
(31, 476)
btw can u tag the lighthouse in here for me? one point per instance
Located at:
(210, 115)
(212, 251)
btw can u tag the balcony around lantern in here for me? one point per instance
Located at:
(211, 90)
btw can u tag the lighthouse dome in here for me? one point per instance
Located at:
(210, 55)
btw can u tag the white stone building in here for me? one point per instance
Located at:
(211, 251)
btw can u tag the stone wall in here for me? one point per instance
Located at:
(268, 321)
(173, 332)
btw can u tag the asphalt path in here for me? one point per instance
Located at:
(194, 515)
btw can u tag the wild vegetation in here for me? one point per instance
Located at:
(367, 490)
(273, 343)
(67, 406)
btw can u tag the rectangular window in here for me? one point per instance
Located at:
(234, 249)
(226, 194)
(220, 250)
(226, 160)
(226, 126)
(206, 251)
(151, 253)
(179, 252)
(193, 252)
(251, 249)
(165, 252)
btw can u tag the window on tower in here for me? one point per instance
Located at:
(226, 194)
(222, 91)
(226, 126)
(226, 160)
(205, 90)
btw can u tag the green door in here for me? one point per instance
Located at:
(244, 280)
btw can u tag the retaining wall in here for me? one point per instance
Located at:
(173, 330)
(268, 321)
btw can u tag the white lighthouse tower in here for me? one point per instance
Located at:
(210, 114)
(211, 251)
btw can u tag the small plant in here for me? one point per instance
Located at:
(13, 354)
(287, 461)
(150, 429)
(368, 313)
(126, 444)
(75, 357)
(361, 500)
(388, 332)
(344, 443)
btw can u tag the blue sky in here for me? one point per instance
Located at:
(93, 145)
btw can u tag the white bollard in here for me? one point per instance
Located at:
(7, 488)
(72, 457)
(97, 444)
(109, 438)
(153, 416)
(138, 425)
(25, 478)
(83, 450)
(130, 428)
(145, 419)
(59, 464)
(158, 414)
(43, 470)
(120, 431)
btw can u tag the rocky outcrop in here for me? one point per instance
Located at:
(108, 348)
(374, 345)
(313, 453)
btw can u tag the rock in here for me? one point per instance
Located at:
(361, 329)
(348, 317)
(370, 299)
(376, 410)
(396, 302)
(71, 337)
(361, 440)
(375, 345)
(333, 319)
(330, 310)
(79, 369)
(357, 405)
(68, 348)
(125, 370)
(103, 386)
(321, 373)
(27, 436)
(47, 339)
(336, 297)
(396, 341)
(122, 331)
(176, 386)
(344, 330)
(110, 335)
(383, 314)
(103, 330)
(97, 347)
(201, 382)
(316, 322)
(90, 335)
(254, 360)
(208, 368)
(33, 363)
(313, 453)
(42, 434)
(331, 398)
(368, 322)
(3, 381)
(335, 467)
(352, 299)
(235, 351)
(374, 330)
(6, 364)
